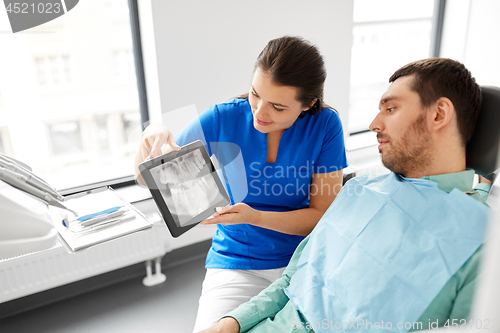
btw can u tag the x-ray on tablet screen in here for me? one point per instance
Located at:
(187, 184)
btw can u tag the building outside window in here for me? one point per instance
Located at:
(387, 34)
(53, 70)
(2, 144)
(65, 113)
(131, 135)
(124, 68)
(65, 138)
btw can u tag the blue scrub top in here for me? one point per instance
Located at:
(313, 144)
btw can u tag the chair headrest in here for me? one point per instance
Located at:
(483, 148)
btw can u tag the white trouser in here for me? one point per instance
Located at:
(224, 290)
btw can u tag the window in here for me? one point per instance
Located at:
(102, 134)
(5, 147)
(53, 71)
(116, 6)
(67, 116)
(124, 68)
(387, 34)
(65, 138)
(470, 35)
(131, 126)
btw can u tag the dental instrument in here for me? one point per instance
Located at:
(90, 219)
(31, 178)
(19, 181)
(102, 225)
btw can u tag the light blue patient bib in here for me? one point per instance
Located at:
(383, 251)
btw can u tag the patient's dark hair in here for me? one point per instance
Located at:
(295, 62)
(439, 77)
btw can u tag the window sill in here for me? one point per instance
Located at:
(360, 141)
(126, 187)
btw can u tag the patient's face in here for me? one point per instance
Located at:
(274, 107)
(402, 129)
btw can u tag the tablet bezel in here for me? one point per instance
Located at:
(145, 169)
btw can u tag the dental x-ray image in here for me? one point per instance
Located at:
(187, 187)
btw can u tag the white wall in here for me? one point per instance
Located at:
(205, 50)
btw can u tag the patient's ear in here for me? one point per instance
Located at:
(443, 113)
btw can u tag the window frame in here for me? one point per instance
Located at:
(436, 41)
(143, 102)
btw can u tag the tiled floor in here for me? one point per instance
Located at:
(124, 307)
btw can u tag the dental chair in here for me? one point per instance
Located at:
(483, 155)
(483, 148)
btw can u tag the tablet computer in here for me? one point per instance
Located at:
(185, 186)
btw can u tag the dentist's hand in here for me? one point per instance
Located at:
(236, 214)
(153, 138)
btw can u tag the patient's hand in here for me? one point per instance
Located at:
(225, 325)
(483, 180)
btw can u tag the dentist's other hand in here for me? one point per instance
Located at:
(484, 180)
(153, 138)
(236, 214)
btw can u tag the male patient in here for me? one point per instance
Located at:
(395, 252)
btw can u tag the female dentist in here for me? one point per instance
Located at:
(293, 154)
